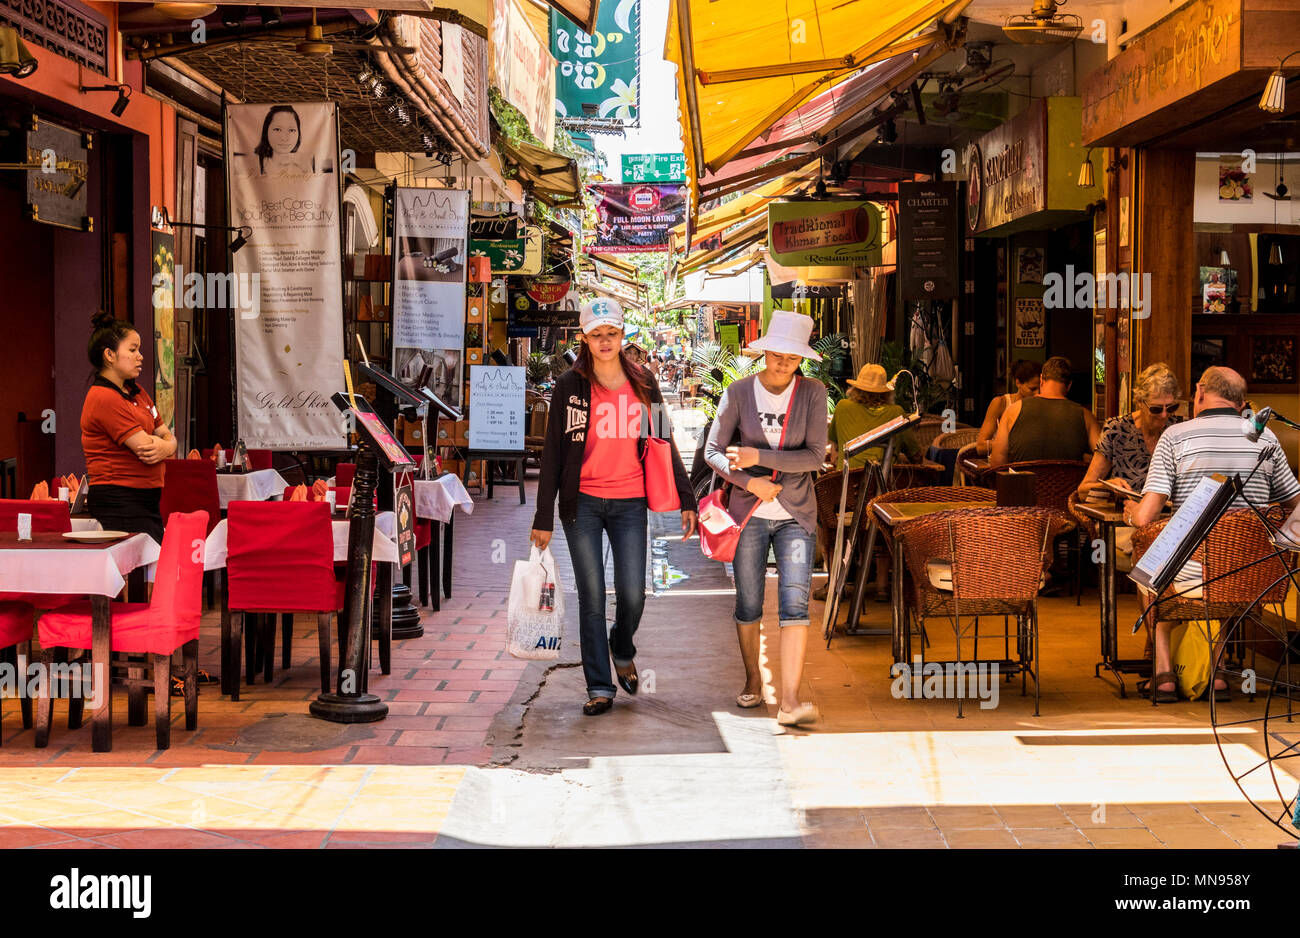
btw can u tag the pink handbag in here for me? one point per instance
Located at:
(660, 481)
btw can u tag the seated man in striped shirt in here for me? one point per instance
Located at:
(1193, 450)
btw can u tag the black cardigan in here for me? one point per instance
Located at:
(566, 442)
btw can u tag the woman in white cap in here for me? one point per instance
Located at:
(781, 420)
(602, 411)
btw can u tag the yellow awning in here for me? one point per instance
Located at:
(552, 177)
(740, 210)
(744, 64)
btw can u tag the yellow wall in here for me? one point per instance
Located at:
(1288, 405)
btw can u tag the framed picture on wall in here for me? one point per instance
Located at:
(1029, 265)
(1272, 360)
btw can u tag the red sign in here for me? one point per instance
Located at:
(548, 291)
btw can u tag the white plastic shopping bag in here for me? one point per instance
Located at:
(535, 621)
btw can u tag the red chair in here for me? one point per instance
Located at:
(47, 517)
(344, 473)
(191, 485)
(17, 620)
(280, 560)
(423, 538)
(158, 628)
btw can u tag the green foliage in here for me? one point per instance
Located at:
(710, 358)
(829, 347)
(930, 395)
(538, 368)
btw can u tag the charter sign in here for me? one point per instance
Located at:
(282, 164)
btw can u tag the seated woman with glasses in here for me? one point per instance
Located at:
(1127, 441)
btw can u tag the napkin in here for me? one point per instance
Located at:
(299, 494)
(41, 492)
(319, 488)
(193, 454)
(216, 449)
(73, 484)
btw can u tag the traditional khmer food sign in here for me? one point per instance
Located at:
(832, 233)
(637, 218)
(281, 165)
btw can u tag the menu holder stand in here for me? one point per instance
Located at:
(352, 702)
(874, 477)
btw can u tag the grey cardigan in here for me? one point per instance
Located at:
(798, 461)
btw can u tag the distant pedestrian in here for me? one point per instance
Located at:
(603, 409)
(781, 419)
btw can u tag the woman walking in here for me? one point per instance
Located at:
(781, 418)
(603, 409)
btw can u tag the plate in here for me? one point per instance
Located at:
(91, 537)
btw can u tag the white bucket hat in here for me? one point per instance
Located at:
(788, 333)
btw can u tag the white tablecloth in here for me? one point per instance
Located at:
(385, 542)
(436, 498)
(75, 569)
(258, 486)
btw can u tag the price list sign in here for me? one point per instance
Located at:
(496, 407)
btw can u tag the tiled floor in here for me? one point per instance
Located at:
(472, 734)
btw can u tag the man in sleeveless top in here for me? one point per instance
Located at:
(1048, 426)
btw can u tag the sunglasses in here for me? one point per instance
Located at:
(1158, 409)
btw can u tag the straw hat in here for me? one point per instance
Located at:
(787, 333)
(872, 379)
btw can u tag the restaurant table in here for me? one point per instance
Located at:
(894, 515)
(258, 486)
(53, 564)
(1109, 517)
(435, 500)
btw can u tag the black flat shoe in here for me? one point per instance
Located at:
(629, 682)
(597, 705)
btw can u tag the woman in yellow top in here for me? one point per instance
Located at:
(869, 403)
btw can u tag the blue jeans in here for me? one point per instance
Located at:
(624, 521)
(794, 559)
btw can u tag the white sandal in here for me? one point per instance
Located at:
(748, 701)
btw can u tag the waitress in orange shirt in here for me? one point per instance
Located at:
(124, 439)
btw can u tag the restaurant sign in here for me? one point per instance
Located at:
(834, 233)
(928, 240)
(56, 188)
(1005, 170)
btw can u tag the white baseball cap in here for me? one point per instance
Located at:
(601, 311)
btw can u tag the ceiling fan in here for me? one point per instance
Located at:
(1042, 25)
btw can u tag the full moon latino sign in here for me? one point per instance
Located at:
(637, 217)
(833, 233)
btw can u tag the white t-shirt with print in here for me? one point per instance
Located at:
(772, 410)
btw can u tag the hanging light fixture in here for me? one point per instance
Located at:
(185, 11)
(1275, 254)
(1086, 178)
(1223, 258)
(1273, 100)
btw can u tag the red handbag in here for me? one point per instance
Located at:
(660, 481)
(721, 545)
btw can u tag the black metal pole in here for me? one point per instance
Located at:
(351, 703)
(405, 617)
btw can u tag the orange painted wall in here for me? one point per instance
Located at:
(60, 78)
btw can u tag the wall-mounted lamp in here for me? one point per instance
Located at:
(15, 60)
(123, 96)
(1275, 254)
(1273, 100)
(1120, 162)
(1086, 179)
(240, 237)
(1223, 258)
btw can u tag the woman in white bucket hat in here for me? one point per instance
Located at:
(781, 420)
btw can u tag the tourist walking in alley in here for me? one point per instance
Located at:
(603, 409)
(781, 417)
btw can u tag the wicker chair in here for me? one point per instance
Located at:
(1237, 539)
(827, 491)
(1088, 532)
(996, 558)
(538, 409)
(957, 439)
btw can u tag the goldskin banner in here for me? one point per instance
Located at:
(281, 165)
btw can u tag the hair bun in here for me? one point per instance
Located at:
(102, 319)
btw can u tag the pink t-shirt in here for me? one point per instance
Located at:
(610, 468)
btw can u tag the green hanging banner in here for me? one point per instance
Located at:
(597, 76)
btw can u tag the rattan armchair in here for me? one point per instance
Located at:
(1239, 575)
(996, 558)
(957, 439)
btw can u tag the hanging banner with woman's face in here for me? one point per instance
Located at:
(430, 231)
(285, 287)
